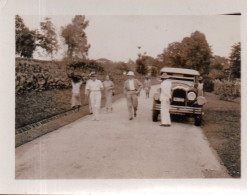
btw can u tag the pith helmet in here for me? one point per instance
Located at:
(130, 73)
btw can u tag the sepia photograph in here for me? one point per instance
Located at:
(127, 96)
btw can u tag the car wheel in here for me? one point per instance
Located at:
(155, 115)
(198, 120)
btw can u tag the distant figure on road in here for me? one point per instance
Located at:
(200, 87)
(132, 88)
(94, 87)
(87, 96)
(108, 87)
(165, 97)
(76, 96)
(147, 86)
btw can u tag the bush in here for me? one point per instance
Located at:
(227, 90)
(208, 85)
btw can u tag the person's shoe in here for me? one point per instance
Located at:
(130, 118)
(164, 125)
(135, 114)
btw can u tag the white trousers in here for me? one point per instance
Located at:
(95, 99)
(165, 115)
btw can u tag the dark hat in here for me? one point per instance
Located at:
(164, 76)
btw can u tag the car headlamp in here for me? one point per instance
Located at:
(191, 96)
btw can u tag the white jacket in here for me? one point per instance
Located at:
(166, 86)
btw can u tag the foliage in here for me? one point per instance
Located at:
(235, 60)
(192, 52)
(76, 38)
(123, 67)
(141, 67)
(24, 38)
(217, 67)
(208, 84)
(154, 71)
(47, 38)
(227, 89)
(36, 75)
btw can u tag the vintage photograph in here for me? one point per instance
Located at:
(127, 96)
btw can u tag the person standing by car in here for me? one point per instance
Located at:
(200, 87)
(94, 87)
(165, 97)
(108, 87)
(147, 86)
(132, 88)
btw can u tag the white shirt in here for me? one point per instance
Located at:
(76, 87)
(165, 90)
(200, 86)
(94, 85)
(131, 84)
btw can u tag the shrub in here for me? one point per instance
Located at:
(208, 85)
(227, 90)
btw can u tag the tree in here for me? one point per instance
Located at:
(47, 38)
(217, 67)
(192, 52)
(235, 60)
(24, 38)
(141, 66)
(174, 55)
(198, 53)
(76, 38)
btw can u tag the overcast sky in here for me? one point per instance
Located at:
(117, 37)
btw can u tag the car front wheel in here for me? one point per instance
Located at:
(198, 120)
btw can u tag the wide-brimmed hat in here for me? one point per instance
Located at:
(164, 76)
(130, 73)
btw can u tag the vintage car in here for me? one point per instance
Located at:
(185, 100)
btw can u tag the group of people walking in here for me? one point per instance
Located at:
(132, 88)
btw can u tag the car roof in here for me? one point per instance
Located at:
(180, 71)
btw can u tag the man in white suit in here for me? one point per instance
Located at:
(165, 97)
(94, 88)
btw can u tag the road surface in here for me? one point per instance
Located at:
(116, 147)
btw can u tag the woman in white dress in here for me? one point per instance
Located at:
(76, 96)
(108, 87)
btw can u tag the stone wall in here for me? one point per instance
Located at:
(41, 75)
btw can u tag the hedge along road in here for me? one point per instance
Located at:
(116, 147)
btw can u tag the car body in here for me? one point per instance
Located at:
(185, 100)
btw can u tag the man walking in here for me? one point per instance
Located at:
(147, 86)
(165, 97)
(132, 88)
(94, 87)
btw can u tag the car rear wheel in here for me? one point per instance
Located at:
(155, 115)
(198, 120)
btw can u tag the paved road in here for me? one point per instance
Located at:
(115, 147)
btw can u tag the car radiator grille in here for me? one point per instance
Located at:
(179, 97)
